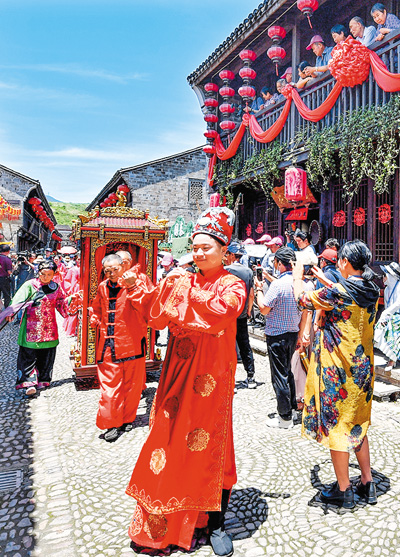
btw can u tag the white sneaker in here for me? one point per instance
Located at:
(278, 422)
(30, 391)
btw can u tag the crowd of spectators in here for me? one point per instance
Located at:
(308, 72)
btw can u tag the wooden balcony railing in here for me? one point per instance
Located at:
(351, 99)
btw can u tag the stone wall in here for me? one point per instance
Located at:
(163, 186)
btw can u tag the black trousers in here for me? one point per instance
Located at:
(280, 351)
(5, 289)
(243, 342)
(35, 366)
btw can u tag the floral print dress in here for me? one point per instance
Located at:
(339, 386)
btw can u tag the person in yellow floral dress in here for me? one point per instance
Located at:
(339, 386)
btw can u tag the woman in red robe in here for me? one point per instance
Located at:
(187, 465)
(72, 286)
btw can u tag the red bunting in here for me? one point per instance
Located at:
(389, 82)
(322, 110)
(273, 131)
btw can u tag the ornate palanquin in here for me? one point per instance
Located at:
(100, 232)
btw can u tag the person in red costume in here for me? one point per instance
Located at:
(72, 286)
(121, 351)
(186, 469)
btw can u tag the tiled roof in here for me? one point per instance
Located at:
(240, 30)
(123, 222)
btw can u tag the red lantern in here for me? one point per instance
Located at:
(211, 118)
(307, 8)
(227, 92)
(211, 134)
(124, 188)
(276, 33)
(247, 92)
(295, 184)
(211, 103)
(227, 108)
(209, 150)
(102, 204)
(276, 54)
(247, 55)
(384, 213)
(248, 73)
(113, 197)
(227, 125)
(214, 200)
(226, 75)
(339, 219)
(211, 87)
(359, 216)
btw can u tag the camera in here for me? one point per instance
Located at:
(21, 256)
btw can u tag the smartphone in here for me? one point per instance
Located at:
(259, 272)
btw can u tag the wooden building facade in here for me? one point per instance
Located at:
(258, 209)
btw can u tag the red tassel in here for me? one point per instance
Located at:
(276, 67)
(309, 21)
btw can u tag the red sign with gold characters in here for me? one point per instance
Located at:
(295, 184)
(298, 214)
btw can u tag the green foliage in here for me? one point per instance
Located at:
(66, 212)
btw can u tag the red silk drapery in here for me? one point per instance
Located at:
(211, 166)
(389, 82)
(224, 154)
(273, 131)
(323, 109)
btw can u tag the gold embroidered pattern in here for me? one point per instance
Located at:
(229, 279)
(231, 300)
(156, 526)
(171, 407)
(197, 440)
(158, 461)
(137, 522)
(204, 385)
(152, 412)
(202, 296)
(184, 348)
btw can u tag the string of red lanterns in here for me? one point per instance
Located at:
(226, 92)
(40, 212)
(112, 198)
(247, 92)
(211, 103)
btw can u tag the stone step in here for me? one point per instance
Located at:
(384, 392)
(258, 346)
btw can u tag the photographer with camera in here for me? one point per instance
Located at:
(24, 269)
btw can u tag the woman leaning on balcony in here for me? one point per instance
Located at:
(386, 22)
(339, 386)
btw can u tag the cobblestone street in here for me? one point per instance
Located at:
(69, 494)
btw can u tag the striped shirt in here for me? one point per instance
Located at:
(284, 316)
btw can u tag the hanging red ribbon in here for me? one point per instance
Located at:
(273, 131)
(211, 166)
(389, 82)
(224, 154)
(322, 110)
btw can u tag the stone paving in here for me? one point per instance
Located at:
(71, 500)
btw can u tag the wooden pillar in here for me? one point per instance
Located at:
(295, 62)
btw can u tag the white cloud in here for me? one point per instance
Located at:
(75, 69)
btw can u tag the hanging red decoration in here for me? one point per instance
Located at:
(247, 56)
(350, 63)
(384, 213)
(276, 54)
(213, 103)
(359, 216)
(339, 219)
(295, 184)
(247, 73)
(276, 33)
(227, 92)
(248, 230)
(124, 188)
(247, 92)
(209, 150)
(210, 134)
(211, 118)
(226, 75)
(307, 8)
(211, 87)
(260, 228)
(227, 125)
(227, 108)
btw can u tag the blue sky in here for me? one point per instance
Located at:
(91, 86)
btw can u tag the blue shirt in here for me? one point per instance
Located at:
(324, 59)
(331, 273)
(368, 36)
(284, 316)
(392, 22)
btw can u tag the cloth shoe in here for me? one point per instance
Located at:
(280, 423)
(127, 427)
(335, 496)
(251, 383)
(30, 391)
(221, 543)
(367, 492)
(111, 434)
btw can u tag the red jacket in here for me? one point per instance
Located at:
(122, 325)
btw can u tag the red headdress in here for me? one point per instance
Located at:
(216, 222)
